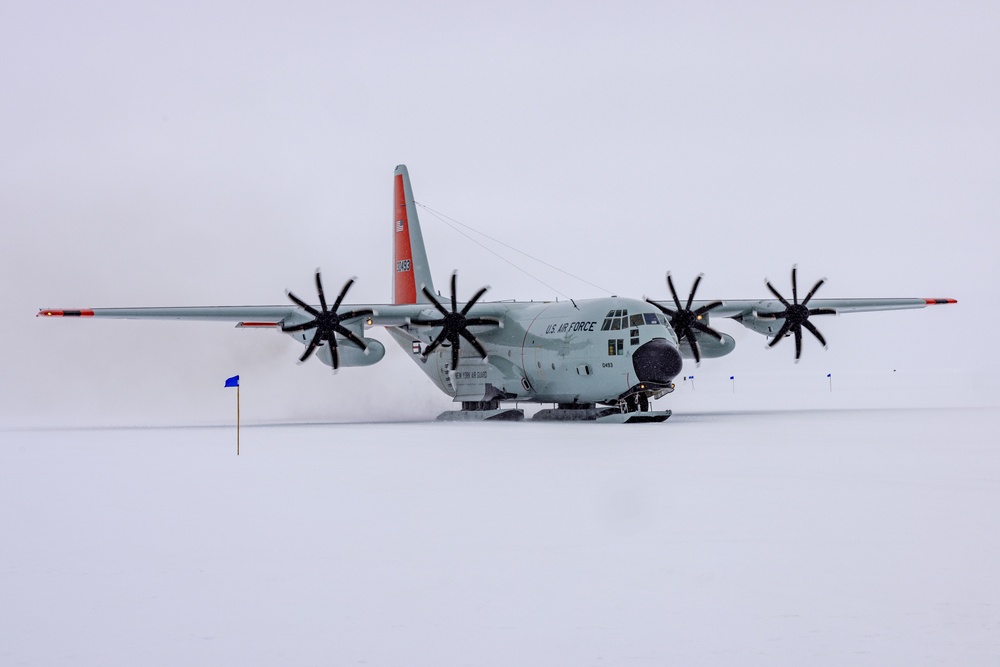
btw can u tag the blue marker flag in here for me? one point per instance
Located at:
(829, 374)
(233, 381)
(732, 377)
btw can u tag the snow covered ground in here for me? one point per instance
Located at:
(819, 537)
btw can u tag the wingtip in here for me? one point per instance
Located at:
(59, 312)
(939, 302)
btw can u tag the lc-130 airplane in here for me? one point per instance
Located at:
(596, 359)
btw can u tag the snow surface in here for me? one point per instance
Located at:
(823, 538)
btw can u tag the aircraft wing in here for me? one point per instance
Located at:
(747, 307)
(256, 315)
(262, 316)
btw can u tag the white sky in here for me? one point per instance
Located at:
(217, 153)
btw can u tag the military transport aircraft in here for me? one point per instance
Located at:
(596, 359)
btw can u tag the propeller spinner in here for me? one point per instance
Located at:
(327, 322)
(454, 323)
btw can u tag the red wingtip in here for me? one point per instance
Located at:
(936, 302)
(251, 325)
(51, 312)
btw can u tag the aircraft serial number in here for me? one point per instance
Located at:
(570, 326)
(402, 265)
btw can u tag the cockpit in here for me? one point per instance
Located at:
(620, 319)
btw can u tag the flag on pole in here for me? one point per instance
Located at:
(235, 382)
(732, 377)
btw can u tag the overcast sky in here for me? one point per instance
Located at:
(211, 153)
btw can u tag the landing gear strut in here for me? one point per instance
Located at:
(636, 403)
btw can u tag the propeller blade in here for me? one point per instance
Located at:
(798, 342)
(693, 343)
(781, 333)
(454, 291)
(300, 327)
(795, 286)
(475, 343)
(666, 311)
(819, 283)
(312, 345)
(814, 331)
(309, 309)
(705, 309)
(694, 288)
(673, 292)
(822, 311)
(343, 293)
(351, 336)
(334, 352)
(474, 299)
(704, 328)
(775, 293)
(319, 289)
(436, 342)
(437, 304)
(426, 323)
(454, 354)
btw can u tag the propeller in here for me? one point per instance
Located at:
(327, 322)
(685, 321)
(454, 323)
(796, 315)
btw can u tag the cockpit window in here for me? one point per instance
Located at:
(617, 320)
(635, 321)
(651, 318)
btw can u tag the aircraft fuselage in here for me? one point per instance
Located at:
(556, 352)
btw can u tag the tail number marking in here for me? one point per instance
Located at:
(402, 266)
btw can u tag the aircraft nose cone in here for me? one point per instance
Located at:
(657, 362)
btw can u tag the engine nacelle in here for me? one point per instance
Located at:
(709, 347)
(350, 354)
(768, 327)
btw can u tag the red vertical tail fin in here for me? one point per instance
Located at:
(411, 270)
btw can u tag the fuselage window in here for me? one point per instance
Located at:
(616, 346)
